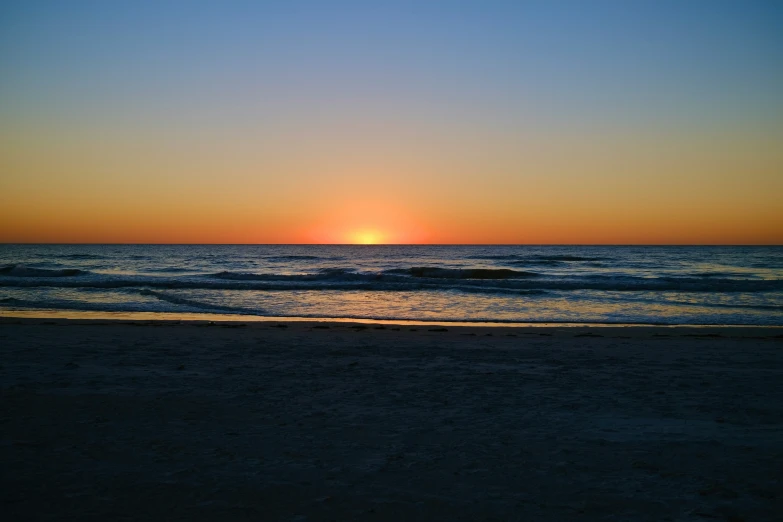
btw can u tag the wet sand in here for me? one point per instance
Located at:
(122, 420)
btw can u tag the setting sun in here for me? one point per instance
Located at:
(371, 221)
(366, 237)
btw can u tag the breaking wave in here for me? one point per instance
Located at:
(293, 258)
(323, 274)
(407, 279)
(82, 256)
(462, 273)
(25, 271)
(537, 258)
(192, 303)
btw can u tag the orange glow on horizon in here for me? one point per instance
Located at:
(366, 237)
(369, 222)
(700, 202)
(361, 235)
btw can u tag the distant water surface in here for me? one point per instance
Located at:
(553, 284)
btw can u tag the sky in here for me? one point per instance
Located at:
(492, 122)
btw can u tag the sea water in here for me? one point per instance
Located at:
(504, 284)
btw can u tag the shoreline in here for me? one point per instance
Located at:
(184, 317)
(446, 331)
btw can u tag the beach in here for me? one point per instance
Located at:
(189, 420)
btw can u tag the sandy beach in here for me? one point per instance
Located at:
(123, 420)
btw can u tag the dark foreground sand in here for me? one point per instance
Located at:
(118, 421)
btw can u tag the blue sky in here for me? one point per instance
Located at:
(600, 60)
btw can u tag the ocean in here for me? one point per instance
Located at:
(704, 285)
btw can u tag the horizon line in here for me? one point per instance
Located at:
(406, 244)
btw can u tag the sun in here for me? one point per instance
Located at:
(366, 237)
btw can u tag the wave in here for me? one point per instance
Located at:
(322, 274)
(655, 300)
(529, 262)
(192, 306)
(462, 273)
(82, 256)
(25, 271)
(732, 305)
(292, 258)
(62, 304)
(487, 280)
(240, 276)
(496, 290)
(711, 275)
(169, 270)
(189, 304)
(182, 305)
(374, 284)
(569, 258)
(536, 258)
(199, 304)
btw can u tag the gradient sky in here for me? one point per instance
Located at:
(443, 122)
